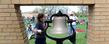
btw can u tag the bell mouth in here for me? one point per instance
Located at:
(59, 28)
(57, 34)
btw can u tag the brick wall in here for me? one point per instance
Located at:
(12, 28)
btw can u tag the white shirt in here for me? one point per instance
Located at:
(73, 18)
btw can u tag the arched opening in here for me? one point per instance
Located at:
(82, 26)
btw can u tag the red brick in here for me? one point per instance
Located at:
(76, 1)
(25, 1)
(5, 1)
(51, 1)
(4, 14)
(11, 18)
(15, 1)
(3, 6)
(7, 10)
(100, 1)
(38, 1)
(64, 1)
(11, 6)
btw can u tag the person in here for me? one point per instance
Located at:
(72, 34)
(74, 18)
(39, 30)
(33, 19)
(29, 31)
(30, 28)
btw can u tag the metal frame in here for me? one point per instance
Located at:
(72, 37)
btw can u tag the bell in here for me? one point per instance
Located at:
(59, 25)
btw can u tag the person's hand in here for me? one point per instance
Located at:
(39, 31)
(34, 30)
(45, 26)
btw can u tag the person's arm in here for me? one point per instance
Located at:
(36, 29)
(45, 26)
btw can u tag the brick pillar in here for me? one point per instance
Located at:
(12, 30)
(99, 23)
(90, 26)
